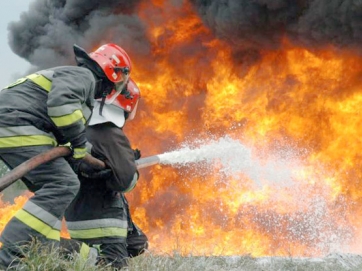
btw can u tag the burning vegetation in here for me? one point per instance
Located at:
(281, 77)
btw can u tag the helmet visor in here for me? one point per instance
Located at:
(118, 89)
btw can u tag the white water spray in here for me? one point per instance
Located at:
(280, 172)
(234, 158)
(294, 192)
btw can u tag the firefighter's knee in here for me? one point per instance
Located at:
(72, 186)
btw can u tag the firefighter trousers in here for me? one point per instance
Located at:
(54, 185)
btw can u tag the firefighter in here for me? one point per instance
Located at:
(99, 215)
(40, 111)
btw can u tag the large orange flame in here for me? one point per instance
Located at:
(291, 100)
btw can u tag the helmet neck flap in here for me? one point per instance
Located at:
(103, 85)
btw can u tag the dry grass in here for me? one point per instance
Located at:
(41, 259)
(176, 262)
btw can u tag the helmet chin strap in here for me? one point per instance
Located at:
(103, 88)
(102, 103)
(98, 89)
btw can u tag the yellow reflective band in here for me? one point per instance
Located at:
(68, 119)
(40, 80)
(22, 141)
(38, 225)
(98, 233)
(66, 145)
(79, 152)
(17, 82)
(84, 251)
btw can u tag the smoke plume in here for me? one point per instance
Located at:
(46, 33)
(251, 26)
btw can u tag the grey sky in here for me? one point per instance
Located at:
(11, 66)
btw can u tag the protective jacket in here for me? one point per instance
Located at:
(38, 112)
(98, 214)
(46, 108)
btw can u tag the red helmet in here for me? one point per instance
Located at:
(127, 99)
(114, 62)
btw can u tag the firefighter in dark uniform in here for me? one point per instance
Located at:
(38, 112)
(99, 215)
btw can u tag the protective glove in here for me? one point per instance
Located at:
(137, 154)
(85, 170)
(89, 172)
(74, 163)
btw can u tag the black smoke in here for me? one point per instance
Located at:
(253, 25)
(46, 33)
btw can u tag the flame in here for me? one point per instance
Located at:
(7, 210)
(292, 100)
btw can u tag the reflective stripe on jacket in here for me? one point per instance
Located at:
(98, 228)
(21, 136)
(48, 107)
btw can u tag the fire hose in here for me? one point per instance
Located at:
(19, 171)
